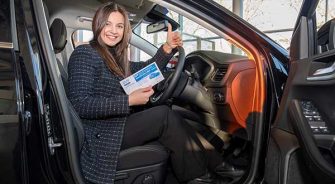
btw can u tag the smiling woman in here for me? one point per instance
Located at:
(105, 109)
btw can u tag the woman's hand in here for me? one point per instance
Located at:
(173, 40)
(140, 96)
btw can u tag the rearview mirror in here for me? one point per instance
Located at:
(158, 26)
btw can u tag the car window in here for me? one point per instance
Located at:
(195, 37)
(80, 37)
(268, 16)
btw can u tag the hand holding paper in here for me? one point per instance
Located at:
(148, 76)
(140, 96)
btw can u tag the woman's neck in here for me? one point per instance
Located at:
(112, 50)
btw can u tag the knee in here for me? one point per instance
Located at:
(171, 116)
(163, 110)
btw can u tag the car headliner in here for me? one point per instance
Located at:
(75, 12)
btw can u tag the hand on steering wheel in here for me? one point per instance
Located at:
(173, 40)
(161, 95)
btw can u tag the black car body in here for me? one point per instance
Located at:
(38, 133)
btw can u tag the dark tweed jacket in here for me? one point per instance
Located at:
(101, 103)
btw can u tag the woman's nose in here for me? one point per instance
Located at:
(112, 29)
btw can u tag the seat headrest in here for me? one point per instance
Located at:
(58, 35)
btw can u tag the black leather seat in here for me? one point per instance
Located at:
(141, 164)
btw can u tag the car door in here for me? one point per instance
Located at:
(12, 116)
(301, 147)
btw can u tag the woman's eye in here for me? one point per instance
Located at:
(120, 27)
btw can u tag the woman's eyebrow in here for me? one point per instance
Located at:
(116, 23)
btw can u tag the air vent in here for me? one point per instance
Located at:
(219, 74)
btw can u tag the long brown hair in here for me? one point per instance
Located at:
(117, 62)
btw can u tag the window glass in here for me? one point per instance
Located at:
(268, 16)
(195, 37)
(80, 37)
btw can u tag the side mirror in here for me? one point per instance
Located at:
(158, 26)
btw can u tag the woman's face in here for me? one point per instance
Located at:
(113, 31)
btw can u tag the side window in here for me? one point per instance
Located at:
(325, 25)
(195, 37)
(80, 37)
(268, 16)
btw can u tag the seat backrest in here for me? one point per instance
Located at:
(58, 36)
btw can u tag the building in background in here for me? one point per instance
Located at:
(276, 18)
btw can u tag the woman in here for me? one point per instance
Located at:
(95, 92)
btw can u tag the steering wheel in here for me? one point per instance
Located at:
(165, 92)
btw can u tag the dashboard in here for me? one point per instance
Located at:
(222, 84)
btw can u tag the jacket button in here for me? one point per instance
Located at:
(98, 135)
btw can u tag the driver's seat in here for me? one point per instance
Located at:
(141, 164)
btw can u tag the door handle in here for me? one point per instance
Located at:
(327, 73)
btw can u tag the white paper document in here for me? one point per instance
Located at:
(148, 76)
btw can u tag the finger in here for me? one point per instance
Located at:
(151, 92)
(147, 94)
(169, 28)
(180, 44)
(177, 40)
(176, 35)
(147, 89)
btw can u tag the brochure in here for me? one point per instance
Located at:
(148, 76)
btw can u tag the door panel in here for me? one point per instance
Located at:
(302, 148)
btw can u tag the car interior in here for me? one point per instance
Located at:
(220, 94)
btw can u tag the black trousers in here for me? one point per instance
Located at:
(188, 156)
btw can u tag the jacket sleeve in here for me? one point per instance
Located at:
(82, 68)
(161, 58)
